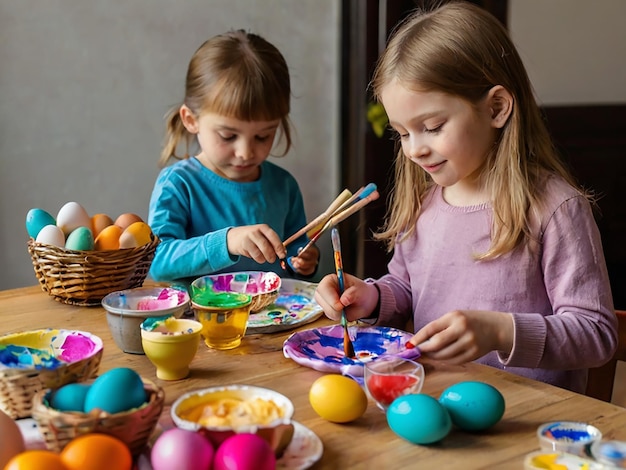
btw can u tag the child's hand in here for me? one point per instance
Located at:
(258, 242)
(462, 336)
(359, 298)
(305, 263)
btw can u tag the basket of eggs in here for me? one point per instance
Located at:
(79, 259)
(119, 403)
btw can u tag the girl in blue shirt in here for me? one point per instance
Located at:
(227, 208)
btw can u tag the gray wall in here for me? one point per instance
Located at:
(84, 87)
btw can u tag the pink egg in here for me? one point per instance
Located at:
(181, 449)
(244, 452)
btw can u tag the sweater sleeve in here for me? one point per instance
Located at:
(177, 256)
(582, 331)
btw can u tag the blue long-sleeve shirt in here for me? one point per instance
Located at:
(192, 209)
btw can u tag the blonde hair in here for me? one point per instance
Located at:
(462, 50)
(236, 74)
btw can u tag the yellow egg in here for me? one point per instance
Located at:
(108, 238)
(99, 222)
(124, 220)
(12, 440)
(36, 459)
(135, 235)
(71, 216)
(337, 398)
(96, 452)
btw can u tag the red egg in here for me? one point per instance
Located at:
(181, 449)
(244, 452)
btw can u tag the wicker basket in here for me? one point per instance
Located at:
(133, 427)
(260, 301)
(85, 277)
(19, 386)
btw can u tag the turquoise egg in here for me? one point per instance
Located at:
(70, 397)
(79, 239)
(419, 418)
(36, 219)
(119, 389)
(473, 406)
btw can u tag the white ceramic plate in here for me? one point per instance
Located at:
(294, 306)
(303, 451)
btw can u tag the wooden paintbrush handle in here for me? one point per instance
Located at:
(321, 219)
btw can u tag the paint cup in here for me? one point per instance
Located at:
(572, 437)
(224, 317)
(171, 344)
(388, 377)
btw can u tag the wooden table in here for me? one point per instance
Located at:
(365, 443)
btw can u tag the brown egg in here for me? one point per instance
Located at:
(98, 222)
(124, 220)
(12, 439)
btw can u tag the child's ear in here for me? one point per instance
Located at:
(189, 119)
(500, 103)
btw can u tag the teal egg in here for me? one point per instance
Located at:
(419, 418)
(70, 397)
(36, 219)
(120, 389)
(473, 406)
(79, 239)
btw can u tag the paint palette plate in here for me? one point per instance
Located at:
(322, 348)
(295, 306)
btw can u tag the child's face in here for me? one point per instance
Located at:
(443, 134)
(232, 148)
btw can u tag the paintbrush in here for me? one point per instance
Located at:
(362, 193)
(348, 348)
(339, 217)
(321, 219)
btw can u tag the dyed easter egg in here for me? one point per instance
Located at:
(71, 216)
(181, 449)
(337, 398)
(80, 239)
(244, 452)
(51, 235)
(95, 451)
(108, 238)
(36, 219)
(419, 419)
(36, 459)
(135, 235)
(473, 406)
(70, 397)
(106, 393)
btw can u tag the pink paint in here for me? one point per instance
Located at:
(76, 347)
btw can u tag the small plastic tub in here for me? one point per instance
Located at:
(571, 437)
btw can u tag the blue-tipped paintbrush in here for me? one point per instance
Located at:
(348, 348)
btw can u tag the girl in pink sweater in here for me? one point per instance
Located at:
(496, 254)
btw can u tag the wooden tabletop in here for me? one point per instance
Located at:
(365, 443)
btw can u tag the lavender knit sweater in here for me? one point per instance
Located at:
(558, 290)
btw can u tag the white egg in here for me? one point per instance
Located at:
(51, 235)
(12, 439)
(71, 216)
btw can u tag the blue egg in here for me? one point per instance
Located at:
(419, 419)
(70, 397)
(119, 389)
(36, 219)
(473, 406)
